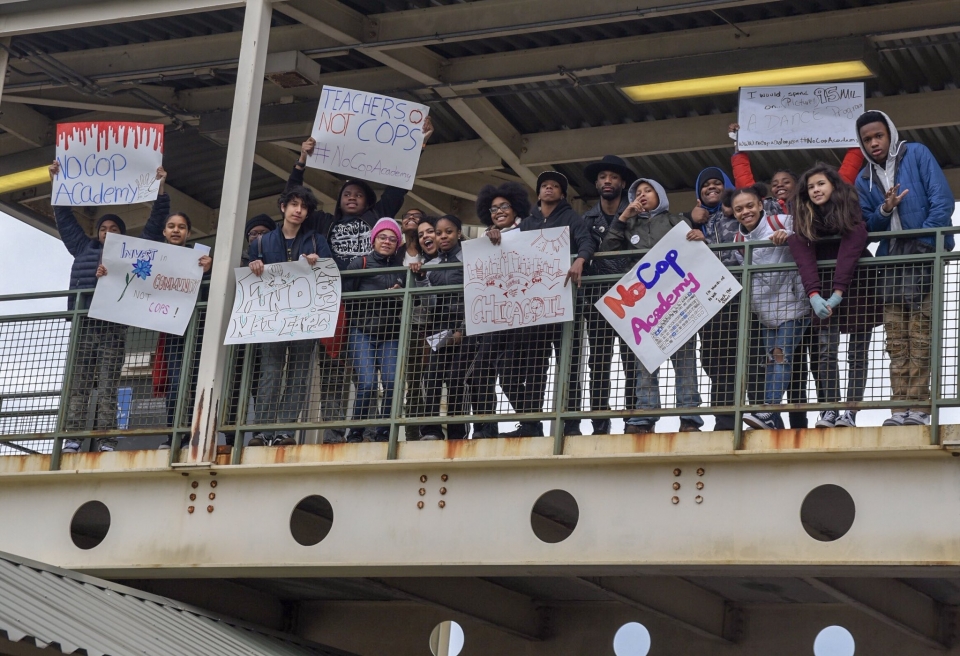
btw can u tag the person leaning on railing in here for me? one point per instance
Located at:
(646, 221)
(902, 188)
(101, 344)
(374, 334)
(419, 350)
(825, 207)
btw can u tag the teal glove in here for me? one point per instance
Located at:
(820, 306)
(834, 300)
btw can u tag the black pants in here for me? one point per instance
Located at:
(449, 365)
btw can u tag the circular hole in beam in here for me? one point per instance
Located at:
(554, 516)
(90, 524)
(446, 639)
(834, 641)
(827, 513)
(631, 639)
(311, 520)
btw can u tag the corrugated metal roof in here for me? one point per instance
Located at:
(78, 614)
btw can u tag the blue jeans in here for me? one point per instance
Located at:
(369, 355)
(786, 338)
(688, 393)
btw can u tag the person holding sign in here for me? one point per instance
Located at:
(776, 297)
(826, 206)
(903, 188)
(646, 221)
(375, 334)
(285, 365)
(102, 344)
(168, 361)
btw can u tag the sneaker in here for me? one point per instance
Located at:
(637, 428)
(897, 419)
(687, 426)
(259, 440)
(70, 446)
(485, 431)
(571, 427)
(284, 439)
(847, 420)
(355, 436)
(431, 437)
(106, 444)
(165, 446)
(334, 436)
(601, 426)
(827, 419)
(916, 418)
(526, 429)
(382, 434)
(799, 420)
(761, 420)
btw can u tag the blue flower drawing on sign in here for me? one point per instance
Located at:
(141, 269)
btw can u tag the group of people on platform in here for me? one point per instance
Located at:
(795, 325)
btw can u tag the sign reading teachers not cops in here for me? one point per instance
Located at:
(800, 116)
(668, 296)
(368, 135)
(107, 163)
(148, 284)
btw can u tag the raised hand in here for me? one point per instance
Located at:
(699, 214)
(892, 198)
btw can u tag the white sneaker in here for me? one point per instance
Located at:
(70, 446)
(828, 419)
(916, 418)
(106, 444)
(847, 420)
(897, 419)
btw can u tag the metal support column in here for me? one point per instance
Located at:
(229, 243)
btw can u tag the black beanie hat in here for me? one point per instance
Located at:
(112, 217)
(259, 220)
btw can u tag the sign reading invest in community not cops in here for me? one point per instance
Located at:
(369, 136)
(668, 296)
(148, 284)
(799, 116)
(107, 163)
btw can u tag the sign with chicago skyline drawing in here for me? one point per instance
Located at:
(291, 300)
(107, 163)
(518, 282)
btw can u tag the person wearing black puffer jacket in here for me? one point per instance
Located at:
(101, 344)
(375, 332)
(285, 365)
(612, 177)
(533, 343)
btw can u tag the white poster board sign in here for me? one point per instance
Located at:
(667, 297)
(368, 135)
(518, 282)
(107, 163)
(798, 117)
(148, 284)
(291, 300)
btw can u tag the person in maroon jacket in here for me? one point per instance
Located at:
(825, 206)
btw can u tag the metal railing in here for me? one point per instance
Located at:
(56, 369)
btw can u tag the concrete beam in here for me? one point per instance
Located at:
(29, 125)
(280, 161)
(47, 15)
(892, 603)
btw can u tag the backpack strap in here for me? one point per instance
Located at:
(774, 222)
(364, 262)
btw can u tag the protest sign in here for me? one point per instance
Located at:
(107, 163)
(368, 135)
(668, 296)
(148, 284)
(291, 300)
(801, 116)
(518, 282)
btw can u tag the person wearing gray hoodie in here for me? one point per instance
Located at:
(639, 227)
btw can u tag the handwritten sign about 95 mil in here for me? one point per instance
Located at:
(148, 284)
(291, 300)
(107, 163)
(667, 297)
(369, 136)
(800, 116)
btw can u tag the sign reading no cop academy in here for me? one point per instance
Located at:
(668, 296)
(799, 116)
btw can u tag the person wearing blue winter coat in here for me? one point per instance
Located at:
(101, 344)
(286, 365)
(902, 187)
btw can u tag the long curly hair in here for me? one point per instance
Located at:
(514, 192)
(838, 216)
